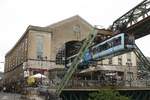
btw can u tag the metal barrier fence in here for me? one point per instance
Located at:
(93, 84)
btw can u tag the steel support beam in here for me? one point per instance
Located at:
(138, 13)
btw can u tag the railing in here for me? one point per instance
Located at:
(87, 85)
(97, 84)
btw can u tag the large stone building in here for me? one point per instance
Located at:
(36, 51)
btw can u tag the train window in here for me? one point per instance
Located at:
(126, 39)
(106, 46)
(109, 44)
(94, 50)
(103, 47)
(117, 41)
(99, 49)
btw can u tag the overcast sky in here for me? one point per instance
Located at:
(16, 15)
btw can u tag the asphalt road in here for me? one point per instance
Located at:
(9, 96)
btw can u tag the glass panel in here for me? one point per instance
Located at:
(39, 46)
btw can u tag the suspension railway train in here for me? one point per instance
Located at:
(115, 45)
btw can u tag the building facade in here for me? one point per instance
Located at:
(36, 50)
(125, 63)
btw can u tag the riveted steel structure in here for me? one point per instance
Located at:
(138, 17)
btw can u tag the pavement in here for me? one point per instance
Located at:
(9, 96)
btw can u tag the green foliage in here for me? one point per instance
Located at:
(107, 95)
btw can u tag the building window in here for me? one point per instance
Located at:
(39, 46)
(26, 44)
(9, 63)
(129, 76)
(110, 61)
(119, 60)
(129, 64)
(129, 58)
(77, 31)
(60, 57)
(6, 64)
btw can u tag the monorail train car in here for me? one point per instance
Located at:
(118, 43)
